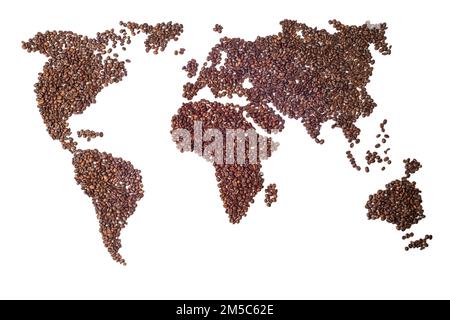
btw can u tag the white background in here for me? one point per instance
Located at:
(316, 242)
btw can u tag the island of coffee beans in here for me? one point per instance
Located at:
(421, 243)
(218, 28)
(191, 68)
(271, 195)
(77, 70)
(89, 134)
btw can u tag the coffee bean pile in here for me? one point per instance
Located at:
(78, 68)
(400, 204)
(408, 235)
(420, 243)
(218, 28)
(411, 166)
(305, 73)
(238, 183)
(158, 36)
(71, 79)
(115, 186)
(271, 194)
(89, 134)
(191, 68)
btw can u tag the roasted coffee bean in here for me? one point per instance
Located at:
(218, 28)
(271, 195)
(409, 235)
(352, 160)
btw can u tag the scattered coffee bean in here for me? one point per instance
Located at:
(89, 134)
(408, 235)
(352, 160)
(373, 157)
